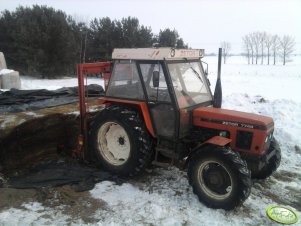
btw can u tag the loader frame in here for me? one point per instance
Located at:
(83, 71)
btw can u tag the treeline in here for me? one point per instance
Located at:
(260, 45)
(40, 40)
(106, 34)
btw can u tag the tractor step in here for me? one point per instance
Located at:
(166, 159)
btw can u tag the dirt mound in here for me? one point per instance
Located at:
(26, 137)
(37, 138)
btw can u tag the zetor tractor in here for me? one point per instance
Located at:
(158, 105)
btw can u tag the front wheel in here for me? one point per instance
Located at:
(219, 177)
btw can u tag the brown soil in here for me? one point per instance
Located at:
(77, 205)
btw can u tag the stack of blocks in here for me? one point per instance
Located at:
(8, 78)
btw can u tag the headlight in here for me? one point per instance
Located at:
(269, 137)
(268, 140)
(223, 133)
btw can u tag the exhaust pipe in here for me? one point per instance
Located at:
(218, 96)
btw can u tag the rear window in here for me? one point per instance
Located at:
(125, 81)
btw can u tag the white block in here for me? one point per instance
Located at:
(10, 80)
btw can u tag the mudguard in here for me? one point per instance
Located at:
(218, 140)
(142, 105)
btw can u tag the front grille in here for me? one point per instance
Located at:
(244, 139)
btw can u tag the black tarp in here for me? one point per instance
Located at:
(16, 100)
(81, 176)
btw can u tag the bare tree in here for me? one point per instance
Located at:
(287, 47)
(262, 37)
(247, 45)
(252, 46)
(226, 46)
(255, 37)
(275, 47)
(268, 43)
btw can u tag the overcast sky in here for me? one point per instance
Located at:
(201, 23)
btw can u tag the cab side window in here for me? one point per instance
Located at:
(155, 93)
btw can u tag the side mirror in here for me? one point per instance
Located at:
(156, 79)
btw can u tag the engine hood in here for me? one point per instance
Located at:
(231, 118)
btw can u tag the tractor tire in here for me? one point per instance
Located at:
(120, 141)
(219, 177)
(270, 167)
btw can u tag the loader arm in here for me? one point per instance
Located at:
(83, 70)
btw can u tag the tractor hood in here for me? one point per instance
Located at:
(204, 116)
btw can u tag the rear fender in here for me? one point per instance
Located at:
(140, 104)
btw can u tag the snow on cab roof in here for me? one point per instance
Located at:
(157, 54)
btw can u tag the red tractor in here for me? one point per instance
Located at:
(158, 103)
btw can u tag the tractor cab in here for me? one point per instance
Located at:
(169, 81)
(158, 105)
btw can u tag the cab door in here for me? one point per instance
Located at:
(159, 100)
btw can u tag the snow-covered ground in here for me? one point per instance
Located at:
(28, 82)
(163, 196)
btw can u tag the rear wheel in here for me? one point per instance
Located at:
(219, 177)
(120, 142)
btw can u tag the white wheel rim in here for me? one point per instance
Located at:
(209, 192)
(113, 143)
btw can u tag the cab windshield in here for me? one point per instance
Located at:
(189, 83)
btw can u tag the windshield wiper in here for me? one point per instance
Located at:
(196, 73)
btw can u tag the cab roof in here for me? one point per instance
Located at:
(157, 54)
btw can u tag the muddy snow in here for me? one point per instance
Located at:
(163, 196)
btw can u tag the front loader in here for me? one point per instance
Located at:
(158, 102)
